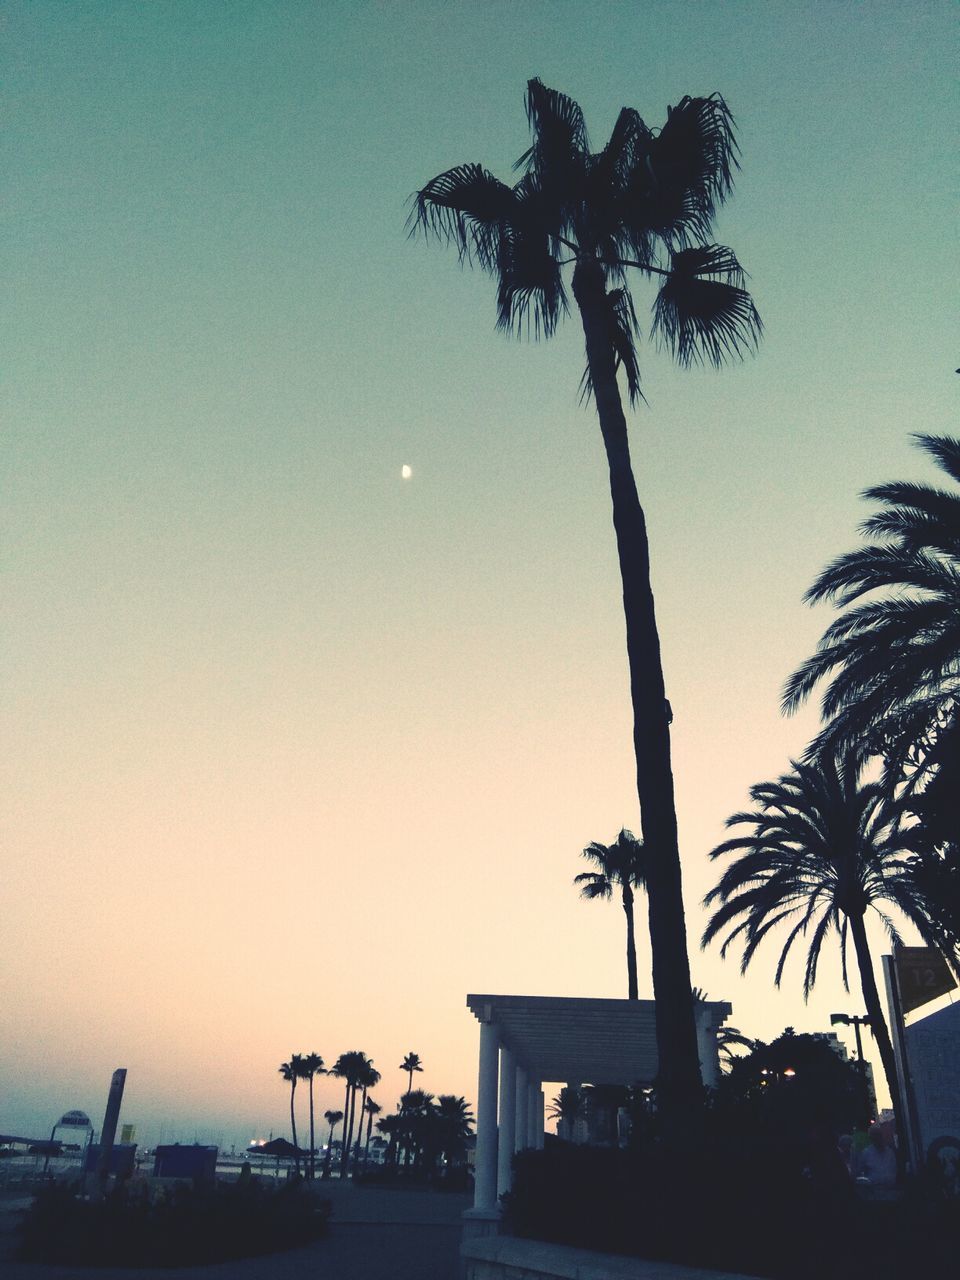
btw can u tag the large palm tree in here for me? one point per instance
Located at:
(821, 848)
(890, 663)
(311, 1065)
(410, 1064)
(332, 1118)
(891, 660)
(622, 866)
(645, 201)
(292, 1071)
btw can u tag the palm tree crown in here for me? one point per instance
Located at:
(410, 1064)
(891, 660)
(820, 850)
(622, 866)
(646, 200)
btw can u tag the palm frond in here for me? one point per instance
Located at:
(468, 206)
(702, 312)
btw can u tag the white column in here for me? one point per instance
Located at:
(485, 1167)
(534, 1114)
(508, 1119)
(523, 1110)
(541, 1118)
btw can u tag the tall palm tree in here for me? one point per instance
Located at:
(292, 1071)
(621, 865)
(349, 1067)
(410, 1064)
(368, 1078)
(820, 850)
(371, 1109)
(311, 1065)
(645, 201)
(332, 1118)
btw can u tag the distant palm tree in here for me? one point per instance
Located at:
(823, 849)
(353, 1068)
(410, 1064)
(311, 1066)
(368, 1078)
(621, 865)
(332, 1118)
(455, 1123)
(371, 1109)
(569, 1106)
(646, 201)
(416, 1109)
(390, 1125)
(292, 1071)
(728, 1040)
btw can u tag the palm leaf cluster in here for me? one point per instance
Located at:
(646, 200)
(819, 849)
(891, 659)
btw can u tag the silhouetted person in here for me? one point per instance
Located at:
(878, 1161)
(824, 1164)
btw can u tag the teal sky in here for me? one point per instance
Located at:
(298, 753)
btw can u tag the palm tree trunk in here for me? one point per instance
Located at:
(366, 1149)
(632, 993)
(293, 1119)
(312, 1162)
(349, 1141)
(363, 1103)
(679, 1085)
(346, 1114)
(878, 1025)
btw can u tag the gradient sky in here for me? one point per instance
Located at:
(299, 753)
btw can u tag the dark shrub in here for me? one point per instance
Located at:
(746, 1207)
(183, 1226)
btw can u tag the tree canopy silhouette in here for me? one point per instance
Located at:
(646, 201)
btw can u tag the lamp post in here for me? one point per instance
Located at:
(857, 1021)
(854, 1020)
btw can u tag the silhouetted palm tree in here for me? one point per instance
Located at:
(730, 1039)
(349, 1067)
(368, 1078)
(311, 1065)
(892, 657)
(567, 1108)
(410, 1064)
(455, 1123)
(823, 849)
(647, 200)
(292, 1071)
(332, 1118)
(622, 866)
(371, 1109)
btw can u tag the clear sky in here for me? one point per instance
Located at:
(297, 753)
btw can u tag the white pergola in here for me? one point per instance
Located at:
(525, 1040)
